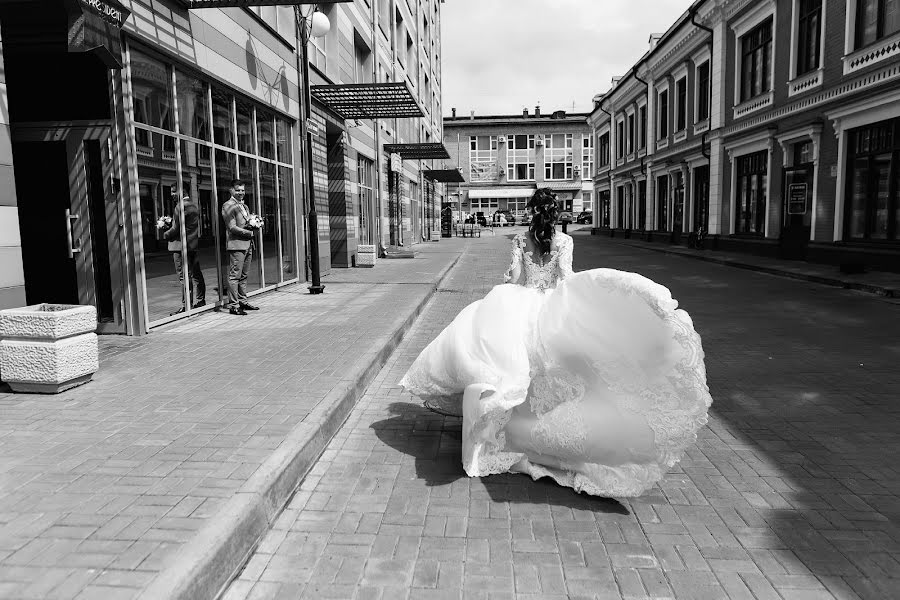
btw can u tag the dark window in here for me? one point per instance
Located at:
(876, 19)
(663, 114)
(681, 93)
(662, 203)
(603, 150)
(642, 206)
(630, 134)
(620, 139)
(873, 187)
(756, 61)
(809, 33)
(703, 91)
(752, 179)
(642, 135)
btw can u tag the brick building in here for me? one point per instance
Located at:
(505, 158)
(771, 125)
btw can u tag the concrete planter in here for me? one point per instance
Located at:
(48, 348)
(365, 255)
(435, 235)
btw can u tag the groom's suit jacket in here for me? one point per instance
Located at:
(235, 215)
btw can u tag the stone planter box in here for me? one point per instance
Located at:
(435, 235)
(365, 255)
(48, 348)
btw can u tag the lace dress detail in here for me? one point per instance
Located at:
(595, 379)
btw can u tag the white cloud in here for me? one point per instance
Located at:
(502, 55)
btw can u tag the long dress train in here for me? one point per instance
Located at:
(595, 378)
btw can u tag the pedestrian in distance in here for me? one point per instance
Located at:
(239, 236)
(603, 388)
(188, 212)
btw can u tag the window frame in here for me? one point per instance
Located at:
(880, 34)
(662, 114)
(516, 156)
(764, 10)
(553, 152)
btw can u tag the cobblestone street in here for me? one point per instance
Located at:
(791, 491)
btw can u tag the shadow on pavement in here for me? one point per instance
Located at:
(435, 441)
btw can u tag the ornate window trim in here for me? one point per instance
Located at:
(741, 27)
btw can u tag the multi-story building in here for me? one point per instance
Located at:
(772, 125)
(119, 114)
(505, 158)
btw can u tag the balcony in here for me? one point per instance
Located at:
(755, 104)
(807, 82)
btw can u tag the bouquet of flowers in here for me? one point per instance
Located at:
(255, 222)
(164, 222)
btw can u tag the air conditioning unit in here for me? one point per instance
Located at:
(539, 140)
(502, 139)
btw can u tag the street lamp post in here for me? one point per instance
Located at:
(315, 24)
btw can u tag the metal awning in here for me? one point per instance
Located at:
(422, 151)
(444, 175)
(564, 185)
(191, 4)
(501, 192)
(369, 100)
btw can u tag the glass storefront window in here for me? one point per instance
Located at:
(193, 106)
(151, 91)
(162, 224)
(265, 133)
(269, 213)
(283, 137)
(223, 121)
(287, 214)
(245, 126)
(202, 228)
(873, 209)
(247, 174)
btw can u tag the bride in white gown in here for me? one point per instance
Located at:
(593, 378)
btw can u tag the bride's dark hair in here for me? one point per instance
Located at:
(543, 224)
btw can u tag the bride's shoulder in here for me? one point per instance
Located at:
(563, 238)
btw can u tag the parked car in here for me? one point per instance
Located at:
(585, 217)
(565, 217)
(481, 219)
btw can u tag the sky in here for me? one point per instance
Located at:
(500, 56)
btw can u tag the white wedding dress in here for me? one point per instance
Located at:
(593, 378)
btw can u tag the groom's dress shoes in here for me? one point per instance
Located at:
(247, 306)
(237, 311)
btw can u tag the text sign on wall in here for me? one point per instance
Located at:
(112, 14)
(95, 26)
(797, 198)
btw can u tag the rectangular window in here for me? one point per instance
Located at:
(642, 130)
(384, 17)
(756, 61)
(662, 203)
(587, 157)
(752, 180)
(362, 66)
(681, 104)
(603, 150)
(663, 115)
(703, 91)
(482, 158)
(873, 210)
(558, 159)
(620, 139)
(630, 134)
(809, 35)
(520, 157)
(876, 19)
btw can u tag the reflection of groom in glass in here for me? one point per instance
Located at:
(189, 212)
(239, 244)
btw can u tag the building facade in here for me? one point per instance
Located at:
(504, 159)
(769, 126)
(365, 196)
(120, 118)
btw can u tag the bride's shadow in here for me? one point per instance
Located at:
(435, 441)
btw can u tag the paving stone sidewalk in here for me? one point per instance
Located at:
(791, 492)
(103, 485)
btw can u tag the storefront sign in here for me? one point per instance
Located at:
(797, 198)
(95, 26)
(396, 163)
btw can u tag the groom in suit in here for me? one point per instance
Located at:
(239, 244)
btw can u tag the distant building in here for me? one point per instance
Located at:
(505, 158)
(773, 126)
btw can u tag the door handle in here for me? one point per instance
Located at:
(70, 236)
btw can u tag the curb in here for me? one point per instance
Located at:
(831, 281)
(205, 566)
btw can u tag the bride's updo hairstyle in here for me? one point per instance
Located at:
(546, 212)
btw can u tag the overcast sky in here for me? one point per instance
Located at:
(502, 55)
